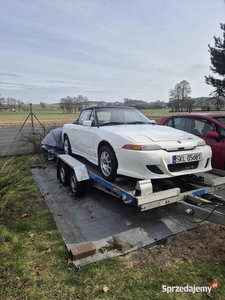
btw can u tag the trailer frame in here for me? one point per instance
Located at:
(192, 195)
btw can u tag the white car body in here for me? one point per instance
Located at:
(143, 151)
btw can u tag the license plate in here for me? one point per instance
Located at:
(177, 159)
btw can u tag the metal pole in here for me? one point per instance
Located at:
(32, 125)
(32, 118)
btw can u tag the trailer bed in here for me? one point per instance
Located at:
(122, 216)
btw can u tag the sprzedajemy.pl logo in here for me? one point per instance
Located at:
(190, 288)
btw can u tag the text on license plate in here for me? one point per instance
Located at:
(186, 158)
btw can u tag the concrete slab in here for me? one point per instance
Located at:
(113, 228)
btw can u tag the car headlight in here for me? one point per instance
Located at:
(201, 143)
(142, 147)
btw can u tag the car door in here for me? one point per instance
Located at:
(84, 135)
(202, 126)
(221, 132)
(177, 122)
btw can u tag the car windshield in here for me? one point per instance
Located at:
(117, 116)
(220, 119)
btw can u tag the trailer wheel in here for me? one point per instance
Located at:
(63, 173)
(66, 145)
(107, 163)
(78, 188)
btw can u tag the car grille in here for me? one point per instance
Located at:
(179, 149)
(154, 169)
(182, 167)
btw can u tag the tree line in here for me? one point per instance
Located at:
(72, 104)
(141, 104)
(11, 103)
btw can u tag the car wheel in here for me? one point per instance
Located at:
(107, 163)
(63, 173)
(66, 145)
(78, 188)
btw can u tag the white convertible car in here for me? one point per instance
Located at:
(121, 140)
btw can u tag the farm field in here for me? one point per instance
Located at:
(53, 116)
(40, 118)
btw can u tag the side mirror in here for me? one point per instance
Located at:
(87, 123)
(213, 134)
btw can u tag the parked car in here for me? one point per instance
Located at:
(121, 140)
(210, 127)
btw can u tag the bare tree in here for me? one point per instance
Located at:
(85, 101)
(2, 101)
(19, 104)
(71, 104)
(179, 97)
(217, 98)
(185, 90)
(62, 104)
(42, 104)
(75, 105)
(80, 99)
(11, 102)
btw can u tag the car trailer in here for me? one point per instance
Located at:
(191, 195)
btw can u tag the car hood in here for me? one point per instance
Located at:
(145, 134)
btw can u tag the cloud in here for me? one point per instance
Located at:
(113, 48)
(59, 81)
(21, 86)
(17, 86)
(9, 74)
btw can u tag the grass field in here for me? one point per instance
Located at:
(40, 118)
(53, 116)
(34, 263)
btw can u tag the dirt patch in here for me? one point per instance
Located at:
(3, 160)
(206, 243)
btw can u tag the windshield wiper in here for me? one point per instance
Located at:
(111, 123)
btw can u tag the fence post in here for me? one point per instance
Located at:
(32, 125)
(32, 118)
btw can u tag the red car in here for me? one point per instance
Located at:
(210, 127)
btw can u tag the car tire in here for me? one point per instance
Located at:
(78, 188)
(66, 145)
(63, 173)
(107, 163)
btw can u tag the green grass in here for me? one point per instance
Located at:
(34, 262)
(51, 115)
(40, 117)
(54, 117)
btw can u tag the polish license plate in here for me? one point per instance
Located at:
(177, 159)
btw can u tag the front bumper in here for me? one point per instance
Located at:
(158, 164)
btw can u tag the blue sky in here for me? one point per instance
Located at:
(105, 49)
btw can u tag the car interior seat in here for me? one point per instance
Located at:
(193, 130)
(181, 124)
(207, 127)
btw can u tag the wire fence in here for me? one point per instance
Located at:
(23, 127)
(21, 130)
